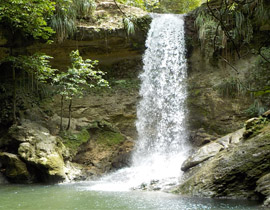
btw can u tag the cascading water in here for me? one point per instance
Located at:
(161, 146)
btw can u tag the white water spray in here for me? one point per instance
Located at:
(161, 146)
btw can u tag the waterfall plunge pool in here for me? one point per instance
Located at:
(77, 196)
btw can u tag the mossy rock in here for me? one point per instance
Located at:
(73, 140)
(234, 171)
(14, 169)
(109, 138)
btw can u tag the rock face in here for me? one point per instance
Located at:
(107, 149)
(210, 105)
(210, 150)
(39, 153)
(118, 108)
(263, 187)
(240, 170)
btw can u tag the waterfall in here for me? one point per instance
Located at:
(161, 145)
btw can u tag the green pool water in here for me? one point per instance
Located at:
(78, 196)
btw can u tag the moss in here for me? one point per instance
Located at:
(74, 140)
(109, 138)
(257, 127)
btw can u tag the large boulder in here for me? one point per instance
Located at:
(41, 150)
(234, 171)
(14, 168)
(212, 149)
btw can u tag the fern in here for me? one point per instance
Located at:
(65, 17)
(129, 25)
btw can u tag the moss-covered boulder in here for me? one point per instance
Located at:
(234, 171)
(40, 150)
(14, 168)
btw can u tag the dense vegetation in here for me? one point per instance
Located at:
(229, 31)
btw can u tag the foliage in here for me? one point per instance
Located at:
(129, 25)
(210, 34)
(66, 14)
(235, 21)
(255, 109)
(36, 65)
(231, 87)
(84, 8)
(76, 79)
(259, 77)
(26, 17)
(109, 138)
(79, 76)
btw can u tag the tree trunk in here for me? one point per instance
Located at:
(69, 114)
(14, 95)
(61, 117)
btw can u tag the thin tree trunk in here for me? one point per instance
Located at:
(69, 114)
(32, 78)
(14, 95)
(37, 82)
(61, 121)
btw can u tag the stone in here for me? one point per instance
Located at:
(263, 187)
(236, 136)
(233, 172)
(251, 122)
(41, 150)
(200, 137)
(2, 179)
(14, 169)
(204, 153)
(211, 149)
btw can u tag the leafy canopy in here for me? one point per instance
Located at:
(27, 16)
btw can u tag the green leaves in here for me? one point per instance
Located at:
(80, 75)
(27, 16)
(37, 64)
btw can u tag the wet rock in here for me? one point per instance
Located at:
(263, 187)
(234, 171)
(210, 150)
(2, 179)
(107, 149)
(200, 137)
(201, 155)
(14, 169)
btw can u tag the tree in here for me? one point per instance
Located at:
(80, 75)
(24, 19)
